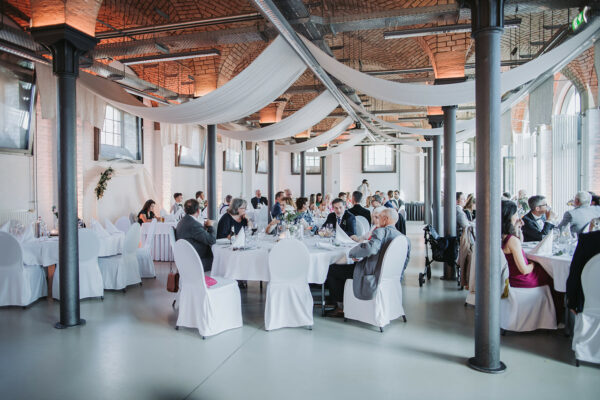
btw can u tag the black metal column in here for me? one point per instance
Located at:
(66, 45)
(271, 177)
(427, 182)
(449, 180)
(487, 18)
(436, 173)
(323, 173)
(211, 171)
(302, 174)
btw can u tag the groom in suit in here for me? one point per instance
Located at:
(342, 217)
(259, 199)
(535, 222)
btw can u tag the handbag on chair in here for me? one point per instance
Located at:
(173, 281)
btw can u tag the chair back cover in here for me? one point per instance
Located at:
(110, 227)
(132, 218)
(172, 237)
(288, 261)
(123, 224)
(11, 251)
(89, 246)
(132, 239)
(394, 257)
(362, 225)
(189, 265)
(163, 212)
(590, 281)
(98, 228)
(149, 242)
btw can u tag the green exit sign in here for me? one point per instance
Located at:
(580, 19)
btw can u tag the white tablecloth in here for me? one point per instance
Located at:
(253, 265)
(162, 247)
(557, 267)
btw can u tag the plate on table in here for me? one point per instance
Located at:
(223, 241)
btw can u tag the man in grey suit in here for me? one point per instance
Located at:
(200, 237)
(368, 257)
(582, 214)
(462, 222)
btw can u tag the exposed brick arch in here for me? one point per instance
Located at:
(80, 14)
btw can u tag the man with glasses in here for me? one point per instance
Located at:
(536, 223)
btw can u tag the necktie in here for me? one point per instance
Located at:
(339, 220)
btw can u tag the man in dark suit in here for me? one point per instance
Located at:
(200, 237)
(276, 210)
(342, 217)
(258, 199)
(535, 224)
(357, 209)
(391, 203)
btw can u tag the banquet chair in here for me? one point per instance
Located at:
(123, 224)
(586, 334)
(289, 301)
(211, 310)
(386, 305)
(132, 218)
(90, 277)
(527, 309)
(144, 253)
(172, 241)
(122, 270)
(20, 285)
(362, 225)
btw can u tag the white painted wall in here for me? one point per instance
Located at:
(465, 182)
(16, 180)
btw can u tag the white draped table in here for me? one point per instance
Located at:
(161, 251)
(557, 267)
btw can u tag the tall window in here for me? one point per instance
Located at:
(379, 158)
(232, 157)
(16, 103)
(572, 102)
(194, 156)
(465, 159)
(312, 163)
(121, 135)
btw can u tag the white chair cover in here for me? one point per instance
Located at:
(90, 277)
(210, 310)
(586, 334)
(123, 224)
(122, 270)
(20, 285)
(362, 225)
(144, 254)
(527, 309)
(110, 227)
(386, 305)
(99, 229)
(289, 302)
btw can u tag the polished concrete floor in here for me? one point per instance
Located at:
(129, 349)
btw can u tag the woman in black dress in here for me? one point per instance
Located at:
(147, 213)
(234, 219)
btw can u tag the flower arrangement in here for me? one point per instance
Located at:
(289, 216)
(55, 211)
(104, 178)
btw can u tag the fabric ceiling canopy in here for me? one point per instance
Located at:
(322, 139)
(451, 94)
(356, 139)
(301, 120)
(265, 79)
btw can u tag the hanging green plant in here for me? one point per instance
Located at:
(104, 178)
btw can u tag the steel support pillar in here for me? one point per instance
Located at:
(436, 173)
(449, 181)
(427, 181)
(271, 177)
(487, 18)
(66, 45)
(211, 171)
(323, 172)
(302, 174)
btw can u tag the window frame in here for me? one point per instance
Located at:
(257, 168)
(202, 165)
(365, 169)
(225, 158)
(28, 151)
(140, 139)
(293, 171)
(463, 167)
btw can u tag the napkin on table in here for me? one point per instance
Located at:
(545, 246)
(240, 239)
(341, 236)
(5, 227)
(27, 235)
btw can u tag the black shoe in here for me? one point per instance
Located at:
(335, 313)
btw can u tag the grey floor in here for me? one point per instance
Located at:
(129, 349)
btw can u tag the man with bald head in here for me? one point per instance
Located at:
(367, 256)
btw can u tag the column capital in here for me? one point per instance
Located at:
(436, 121)
(486, 15)
(66, 44)
(449, 107)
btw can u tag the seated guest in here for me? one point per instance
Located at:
(233, 220)
(342, 195)
(342, 217)
(461, 218)
(506, 196)
(304, 215)
(258, 199)
(178, 206)
(327, 201)
(288, 193)
(582, 214)
(401, 224)
(595, 199)
(469, 207)
(288, 204)
(147, 213)
(311, 203)
(522, 201)
(200, 199)
(225, 206)
(376, 201)
(200, 236)
(322, 211)
(370, 254)
(318, 199)
(277, 208)
(535, 224)
(357, 209)
(587, 247)
(391, 203)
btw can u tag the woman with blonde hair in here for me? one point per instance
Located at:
(469, 207)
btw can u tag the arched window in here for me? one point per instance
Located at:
(571, 104)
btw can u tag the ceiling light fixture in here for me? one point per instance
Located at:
(440, 30)
(171, 57)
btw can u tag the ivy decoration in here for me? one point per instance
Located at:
(104, 178)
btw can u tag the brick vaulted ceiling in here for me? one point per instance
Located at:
(240, 42)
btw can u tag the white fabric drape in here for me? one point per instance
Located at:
(506, 128)
(230, 145)
(301, 120)
(322, 139)
(267, 77)
(457, 93)
(356, 139)
(540, 104)
(178, 134)
(263, 153)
